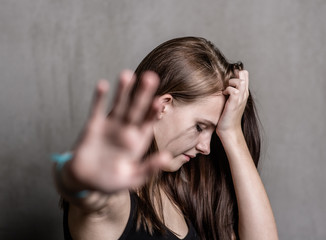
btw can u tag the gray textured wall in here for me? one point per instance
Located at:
(53, 52)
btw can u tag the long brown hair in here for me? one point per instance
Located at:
(191, 68)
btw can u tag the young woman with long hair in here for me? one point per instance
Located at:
(176, 157)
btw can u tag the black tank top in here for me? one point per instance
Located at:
(130, 232)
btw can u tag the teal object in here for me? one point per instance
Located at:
(61, 159)
(81, 194)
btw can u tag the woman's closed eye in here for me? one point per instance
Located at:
(199, 128)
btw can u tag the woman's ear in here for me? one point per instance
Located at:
(166, 101)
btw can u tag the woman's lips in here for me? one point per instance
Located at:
(188, 157)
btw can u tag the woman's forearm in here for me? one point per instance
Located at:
(256, 219)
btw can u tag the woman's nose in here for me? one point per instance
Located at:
(203, 146)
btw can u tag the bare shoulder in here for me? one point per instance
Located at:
(108, 222)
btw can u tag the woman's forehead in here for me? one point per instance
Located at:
(207, 109)
(210, 102)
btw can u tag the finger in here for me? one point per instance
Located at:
(143, 99)
(231, 91)
(100, 99)
(98, 111)
(120, 106)
(146, 128)
(124, 174)
(244, 74)
(140, 174)
(152, 115)
(237, 83)
(134, 174)
(155, 162)
(240, 84)
(159, 160)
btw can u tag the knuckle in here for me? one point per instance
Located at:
(236, 92)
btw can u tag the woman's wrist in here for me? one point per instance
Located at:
(62, 162)
(229, 134)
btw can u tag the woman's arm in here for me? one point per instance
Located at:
(256, 219)
(97, 215)
(107, 159)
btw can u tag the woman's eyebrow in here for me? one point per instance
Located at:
(208, 122)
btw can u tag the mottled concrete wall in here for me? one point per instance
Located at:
(53, 52)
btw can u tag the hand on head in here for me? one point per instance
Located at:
(237, 93)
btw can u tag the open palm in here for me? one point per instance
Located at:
(109, 155)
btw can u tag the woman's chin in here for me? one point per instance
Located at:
(175, 164)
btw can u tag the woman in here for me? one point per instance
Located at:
(175, 159)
